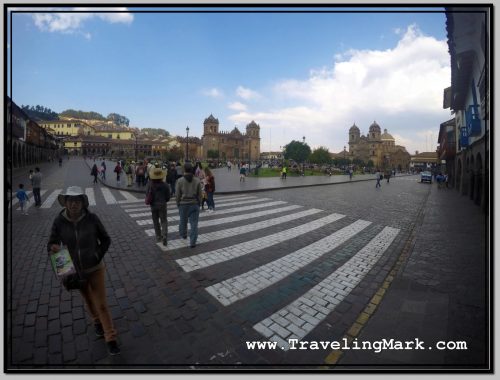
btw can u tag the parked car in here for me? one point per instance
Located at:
(426, 177)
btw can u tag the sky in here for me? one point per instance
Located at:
(297, 75)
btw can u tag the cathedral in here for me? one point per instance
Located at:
(232, 145)
(378, 147)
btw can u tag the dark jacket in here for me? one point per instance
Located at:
(171, 175)
(87, 240)
(161, 192)
(210, 184)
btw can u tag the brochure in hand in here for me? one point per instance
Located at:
(62, 263)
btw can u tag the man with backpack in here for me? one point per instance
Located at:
(118, 170)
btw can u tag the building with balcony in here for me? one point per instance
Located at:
(468, 32)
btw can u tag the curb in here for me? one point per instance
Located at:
(230, 192)
(332, 359)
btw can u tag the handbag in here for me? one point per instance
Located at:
(149, 196)
(74, 282)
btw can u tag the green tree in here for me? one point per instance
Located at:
(320, 156)
(212, 153)
(297, 151)
(118, 119)
(370, 164)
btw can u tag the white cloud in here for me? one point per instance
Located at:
(246, 93)
(212, 92)
(401, 88)
(69, 22)
(237, 106)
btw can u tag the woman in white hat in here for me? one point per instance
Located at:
(86, 239)
(160, 196)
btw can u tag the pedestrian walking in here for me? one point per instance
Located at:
(60, 161)
(210, 189)
(118, 170)
(388, 175)
(188, 199)
(139, 174)
(350, 174)
(94, 171)
(87, 241)
(283, 172)
(23, 198)
(180, 170)
(243, 173)
(37, 184)
(172, 177)
(103, 170)
(229, 166)
(128, 172)
(30, 176)
(160, 195)
(378, 176)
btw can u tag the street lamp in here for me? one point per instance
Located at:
(303, 162)
(135, 147)
(345, 163)
(187, 143)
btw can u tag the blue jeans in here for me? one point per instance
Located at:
(189, 212)
(210, 200)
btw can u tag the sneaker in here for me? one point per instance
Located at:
(184, 236)
(99, 330)
(113, 348)
(192, 245)
(164, 241)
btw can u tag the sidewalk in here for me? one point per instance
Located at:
(438, 292)
(228, 182)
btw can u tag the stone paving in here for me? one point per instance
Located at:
(315, 277)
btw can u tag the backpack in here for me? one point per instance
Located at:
(149, 196)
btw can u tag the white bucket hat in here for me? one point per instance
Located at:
(73, 191)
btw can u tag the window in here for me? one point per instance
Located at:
(110, 136)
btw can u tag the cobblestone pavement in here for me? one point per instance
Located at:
(302, 263)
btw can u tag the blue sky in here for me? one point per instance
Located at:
(296, 75)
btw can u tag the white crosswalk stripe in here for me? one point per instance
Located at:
(89, 191)
(144, 222)
(108, 196)
(220, 255)
(306, 310)
(249, 283)
(299, 318)
(232, 219)
(50, 200)
(222, 234)
(27, 205)
(14, 201)
(129, 198)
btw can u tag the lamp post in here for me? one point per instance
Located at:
(187, 143)
(303, 162)
(135, 135)
(345, 163)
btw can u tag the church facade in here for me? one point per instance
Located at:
(378, 147)
(232, 145)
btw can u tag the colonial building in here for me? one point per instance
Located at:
(27, 142)
(378, 147)
(425, 161)
(232, 145)
(69, 127)
(468, 98)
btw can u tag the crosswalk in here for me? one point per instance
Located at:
(254, 246)
(105, 196)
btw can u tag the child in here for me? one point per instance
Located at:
(23, 198)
